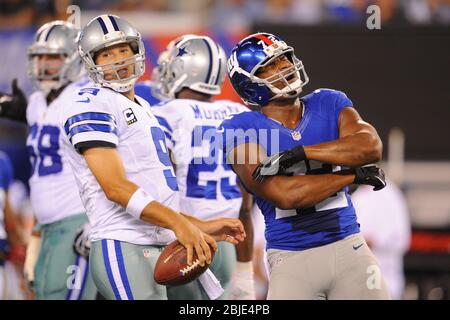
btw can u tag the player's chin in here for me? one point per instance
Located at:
(110, 77)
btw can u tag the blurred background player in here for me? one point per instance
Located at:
(10, 235)
(384, 220)
(314, 246)
(61, 270)
(23, 220)
(121, 164)
(193, 73)
(151, 90)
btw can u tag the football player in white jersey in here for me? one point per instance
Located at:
(123, 171)
(193, 72)
(61, 270)
(151, 90)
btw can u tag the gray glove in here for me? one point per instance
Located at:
(81, 244)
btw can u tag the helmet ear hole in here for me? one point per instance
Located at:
(135, 47)
(250, 92)
(290, 57)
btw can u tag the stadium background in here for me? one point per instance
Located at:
(397, 78)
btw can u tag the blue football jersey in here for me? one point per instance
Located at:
(6, 171)
(328, 221)
(6, 178)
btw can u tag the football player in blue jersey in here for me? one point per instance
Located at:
(10, 232)
(291, 155)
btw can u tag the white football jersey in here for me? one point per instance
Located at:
(208, 187)
(53, 192)
(102, 117)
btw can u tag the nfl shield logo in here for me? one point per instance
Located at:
(147, 253)
(296, 135)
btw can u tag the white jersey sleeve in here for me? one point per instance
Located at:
(90, 121)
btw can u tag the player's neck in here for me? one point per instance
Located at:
(288, 114)
(187, 93)
(129, 94)
(54, 93)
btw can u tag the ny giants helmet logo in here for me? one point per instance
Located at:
(232, 64)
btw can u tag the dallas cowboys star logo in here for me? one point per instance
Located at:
(181, 52)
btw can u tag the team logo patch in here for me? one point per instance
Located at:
(147, 253)
(129, 116)
(296, 135)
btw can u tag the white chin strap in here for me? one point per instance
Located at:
(286, 92)
(124, 86)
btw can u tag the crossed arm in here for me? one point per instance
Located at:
(285, 192)
(358, 144)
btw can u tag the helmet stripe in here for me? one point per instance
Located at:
(218, 71)
(263, 38)
(208, 76)
(220, 64)
(43, 35)
(49, 31)
(114, 23)
(38, 38)
(103, 25)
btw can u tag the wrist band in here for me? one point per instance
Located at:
(138, 201)
(244, 266)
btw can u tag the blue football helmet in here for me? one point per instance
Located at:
(256, 51)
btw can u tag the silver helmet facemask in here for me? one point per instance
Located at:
(103, 32)
(297, 70)
(197, 63)
(56, 39)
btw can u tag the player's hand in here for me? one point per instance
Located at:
(278, 163)
(193, 238)
(81, 243)
(33, 249)
(243, 285)
(13, 105)
(370, 175)
(225, 229)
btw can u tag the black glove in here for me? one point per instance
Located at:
(370, 175)
(14, 106)
(278, 163)
(81, 244)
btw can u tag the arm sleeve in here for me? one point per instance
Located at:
(234, 132)
(340, 102)
(91, 124)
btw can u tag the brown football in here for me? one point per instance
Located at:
(172, 268)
